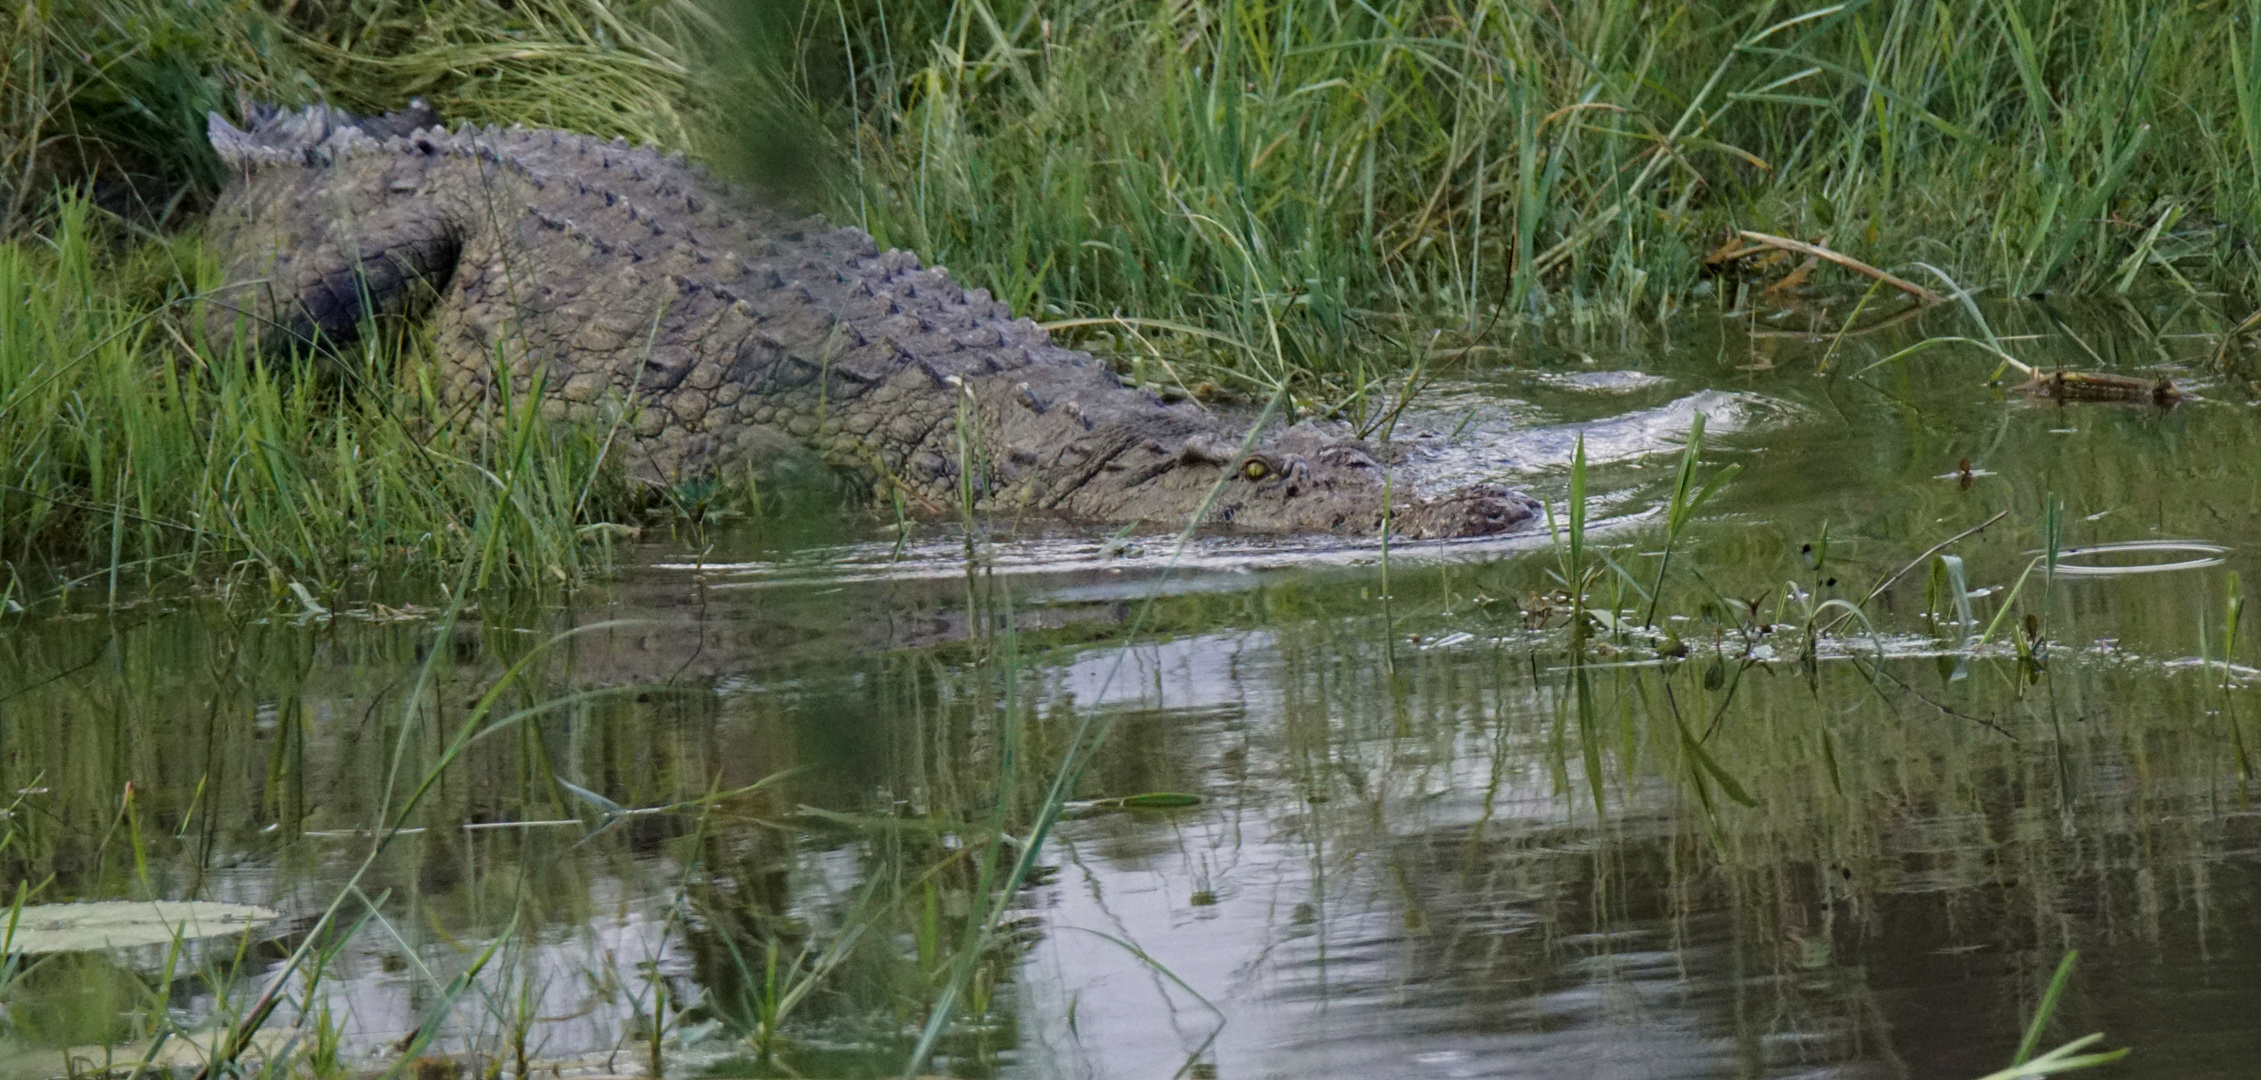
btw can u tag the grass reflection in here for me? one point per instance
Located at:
(1594, 799)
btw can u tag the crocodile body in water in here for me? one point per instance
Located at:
(727, 340)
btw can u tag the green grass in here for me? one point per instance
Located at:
(130, 454)
(126, 455)
(119, 88)
(1388, 168)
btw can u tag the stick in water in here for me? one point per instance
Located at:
(1846, 261)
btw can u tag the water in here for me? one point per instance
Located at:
(1397, 866)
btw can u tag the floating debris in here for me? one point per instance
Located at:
(1732, 252)
(1151, 800)
(2082, 386)
(124, 924)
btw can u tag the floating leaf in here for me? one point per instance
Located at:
(123, 924)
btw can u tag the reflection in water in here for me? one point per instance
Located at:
(1852, 858)
(1393, 891)
(1496, 451)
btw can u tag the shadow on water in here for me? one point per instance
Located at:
(1430, 839)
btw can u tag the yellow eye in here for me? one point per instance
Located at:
(1255, 469)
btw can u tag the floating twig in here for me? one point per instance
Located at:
(1846, 261)
(2080, 386)
(1795, 279)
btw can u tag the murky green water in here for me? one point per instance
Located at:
(1397, 866)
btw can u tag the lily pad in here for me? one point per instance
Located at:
(123, 924)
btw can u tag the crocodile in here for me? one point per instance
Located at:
(720, 339)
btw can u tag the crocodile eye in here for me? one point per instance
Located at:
(1255, 469)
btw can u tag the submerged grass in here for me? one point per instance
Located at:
(1684, 696)
(896, 929)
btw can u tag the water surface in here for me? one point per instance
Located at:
(1399, 864)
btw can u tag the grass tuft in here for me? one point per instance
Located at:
(124, 450)
(1480, 165)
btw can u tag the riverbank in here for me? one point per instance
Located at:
(1229, 198)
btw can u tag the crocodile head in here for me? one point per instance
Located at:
(1304, 480)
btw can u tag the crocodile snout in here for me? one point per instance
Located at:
(1477, 510)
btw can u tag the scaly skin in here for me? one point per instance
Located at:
(737, 341)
